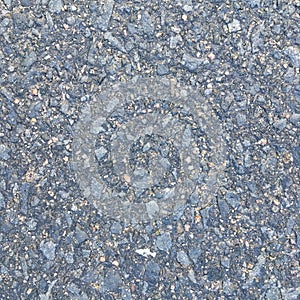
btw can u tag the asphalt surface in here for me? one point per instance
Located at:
(149, 149)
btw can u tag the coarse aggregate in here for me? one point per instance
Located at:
(149, 149)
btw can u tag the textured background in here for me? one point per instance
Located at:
(241, 57)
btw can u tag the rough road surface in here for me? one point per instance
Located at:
(149, 149)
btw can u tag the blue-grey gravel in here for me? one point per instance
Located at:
(188, 184)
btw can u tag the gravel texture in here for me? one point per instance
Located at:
(149, 149)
